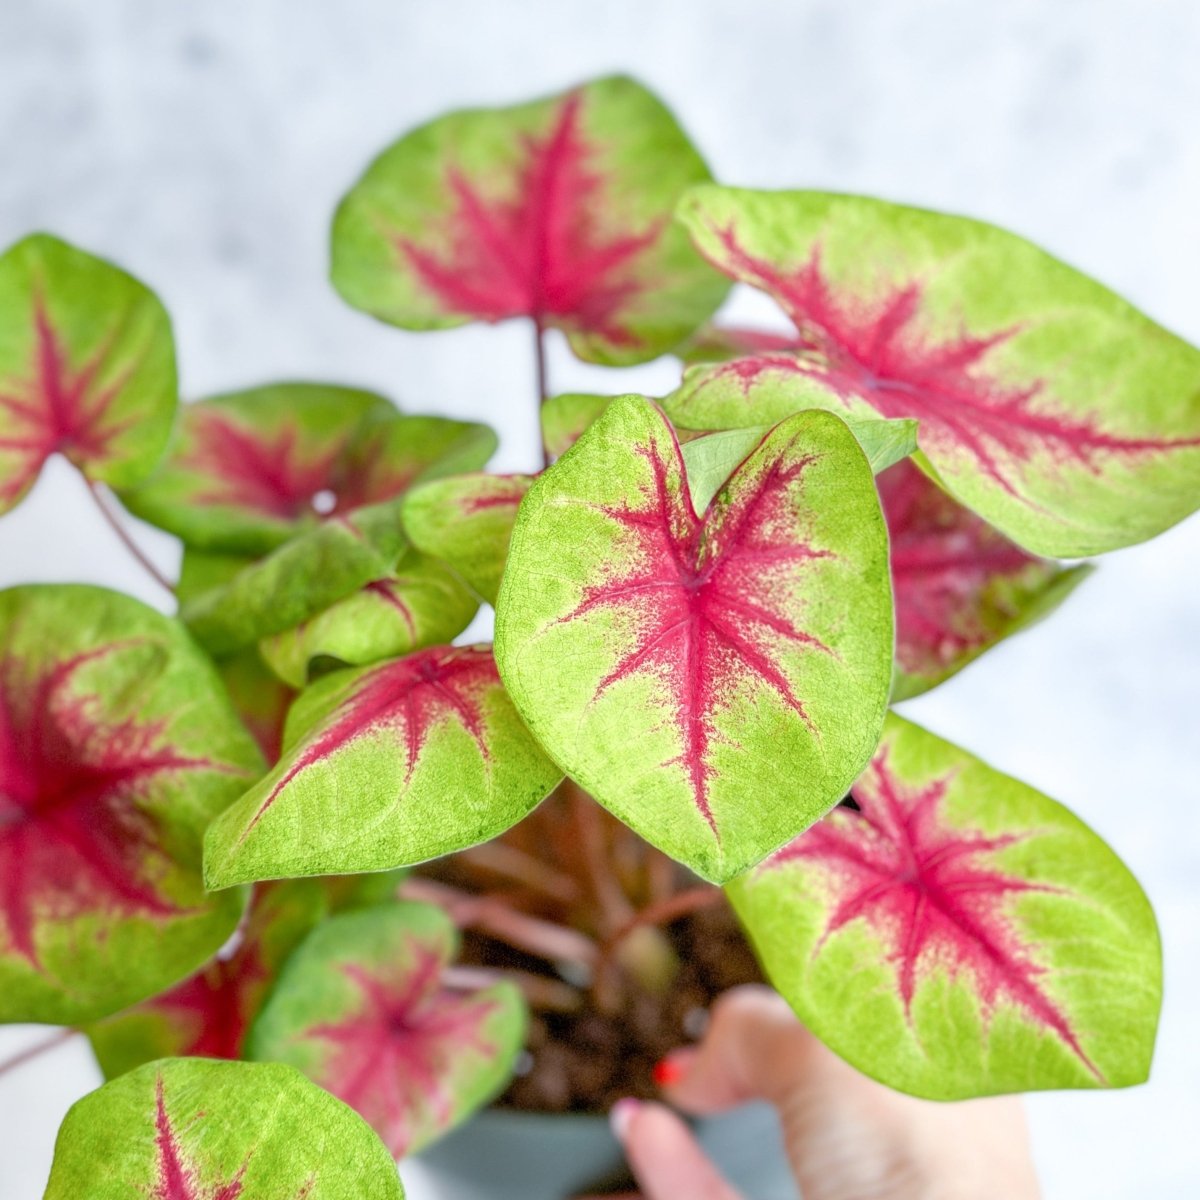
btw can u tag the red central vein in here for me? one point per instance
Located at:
(539, 250)
(59, 408)
(407, 698)
(392, 1057)
(74, 835)
(705, 601)
(931, 893)
(272, 472)
(178, 1179)
(876, 351)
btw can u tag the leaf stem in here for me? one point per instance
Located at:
(107, 512)
(664, 912)
(543, 380)
(490, 914)
(37, 1050)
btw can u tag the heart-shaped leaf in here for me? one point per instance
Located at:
(565, 417)
(385, 767)
(87, 368)
(420, 603)
(559, 210)
(208, 1015)
(466, 521)
(717, 680)
(249, 470)
(196, 1129)
(362, 1009)
(117, 747)
(960, 585)
(1055, 410)
(961, 934)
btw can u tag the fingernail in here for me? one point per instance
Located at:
(620, 1116)
(670, 1070)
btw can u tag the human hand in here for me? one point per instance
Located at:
(847, 1137)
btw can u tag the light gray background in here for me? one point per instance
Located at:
(204, 146)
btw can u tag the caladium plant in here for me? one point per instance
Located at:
(237, 844)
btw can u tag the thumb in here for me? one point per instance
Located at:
(754, 1049)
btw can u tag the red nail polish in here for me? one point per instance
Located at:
(668, 1071)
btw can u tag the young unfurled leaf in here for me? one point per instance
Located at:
(87, 368)
(559, 210)
(302, 578)
(117, 747)
(196, 1129)
(420, 603)
(1052, 408)
(717, 680)
(362, 1009)
(960, 585)
(466, 521)
(961, 934)
(710, 458)
(384, 767)
(208, 1015)
(565, 417)
(249, 470)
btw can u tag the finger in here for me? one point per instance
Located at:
(666, 1160)
(754, 1049)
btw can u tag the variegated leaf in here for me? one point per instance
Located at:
(960, 585)
(420, 603)
(302, 578)
(960, 934)
(466, 521)
(249, 470)
(716, 679)
(87, 368)
(363, 1010)
(195, 1129)
(209, 1014)
(1049, 406)
(117, 747)
(559, 210)
(384, 767)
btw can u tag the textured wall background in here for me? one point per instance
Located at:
(204, 145)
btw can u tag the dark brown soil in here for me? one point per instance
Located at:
(585, 1061)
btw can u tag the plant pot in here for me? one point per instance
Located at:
(507, 1155)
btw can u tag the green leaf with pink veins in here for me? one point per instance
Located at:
(1048, 405)
(385, 767)
(87, 368)
(688, 668)
(958, 933)
(558, 210)
(247, 471)
(303, 577)
(419, 603)
(118, 746)
(199, 1129)
(466, 521)
(364, 1009)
